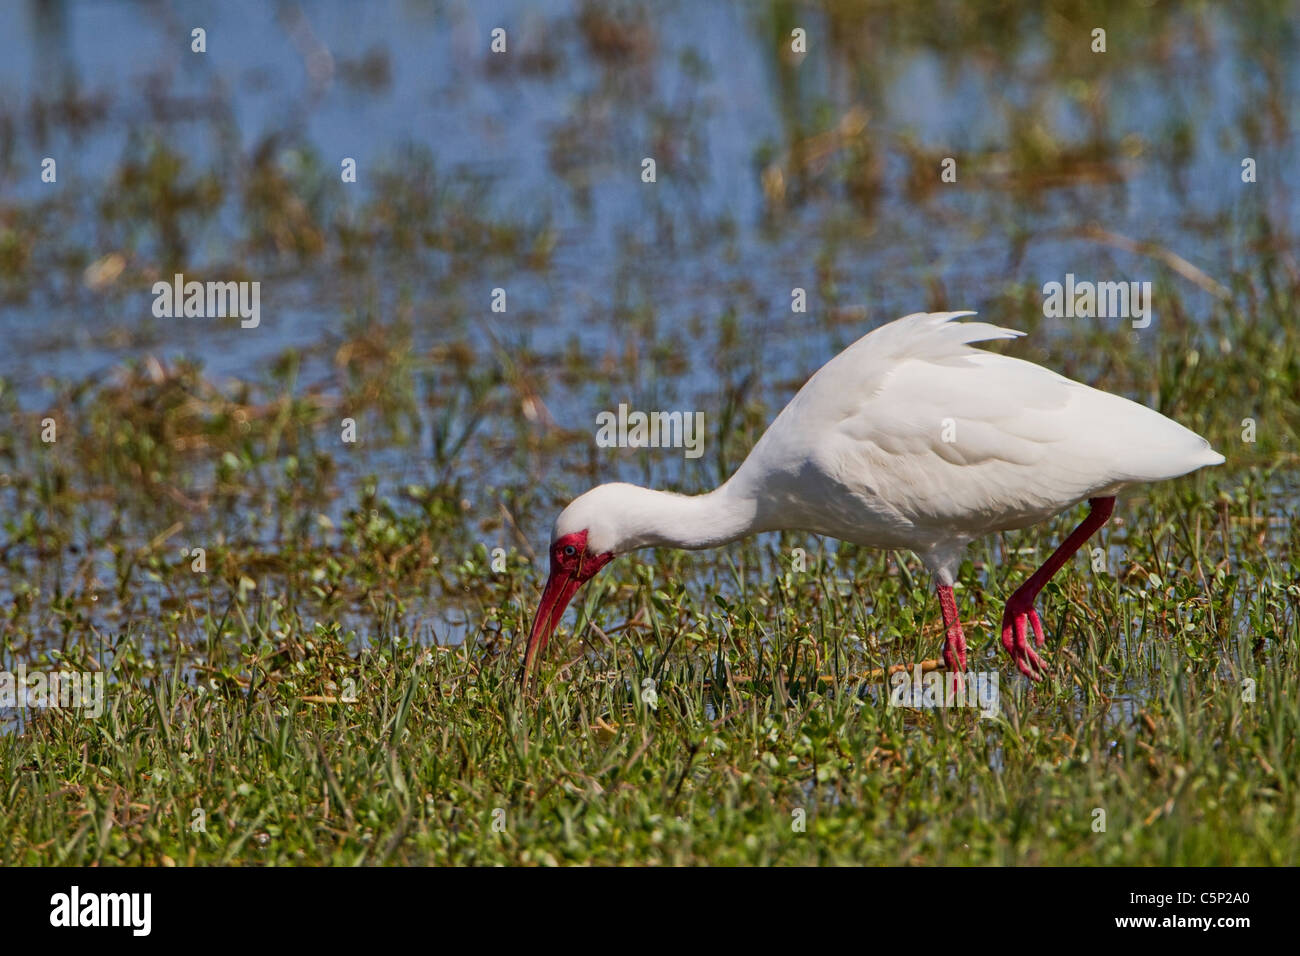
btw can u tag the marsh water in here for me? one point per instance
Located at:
(775, 170)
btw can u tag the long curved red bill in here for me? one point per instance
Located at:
(559, 591)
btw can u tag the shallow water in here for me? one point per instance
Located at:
(557, 132)
(654, 284)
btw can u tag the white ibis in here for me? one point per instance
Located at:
(909, 438)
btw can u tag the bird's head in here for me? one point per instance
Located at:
(584, 540)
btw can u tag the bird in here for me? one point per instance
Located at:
(910, 439)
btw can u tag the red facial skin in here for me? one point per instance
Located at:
(572, 565)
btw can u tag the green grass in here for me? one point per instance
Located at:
(372, 570)
(1145, 722)
(225, 686)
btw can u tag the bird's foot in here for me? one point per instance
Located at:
(954, 650)
(1016, 620)
(954, 658)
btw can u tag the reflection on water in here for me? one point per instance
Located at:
(774, 171)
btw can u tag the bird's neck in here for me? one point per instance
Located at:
(660, 519)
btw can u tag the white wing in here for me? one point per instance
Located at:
(912, 435)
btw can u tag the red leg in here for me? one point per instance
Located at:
(954, 648)
(1020, 607)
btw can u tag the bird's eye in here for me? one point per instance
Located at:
(570, 550)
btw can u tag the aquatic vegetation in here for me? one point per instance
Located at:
(303, 555)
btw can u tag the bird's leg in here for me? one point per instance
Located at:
(954, 648)
(1020, 607)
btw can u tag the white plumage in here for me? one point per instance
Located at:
(909, 438)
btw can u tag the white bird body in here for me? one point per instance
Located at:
(911, 439)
